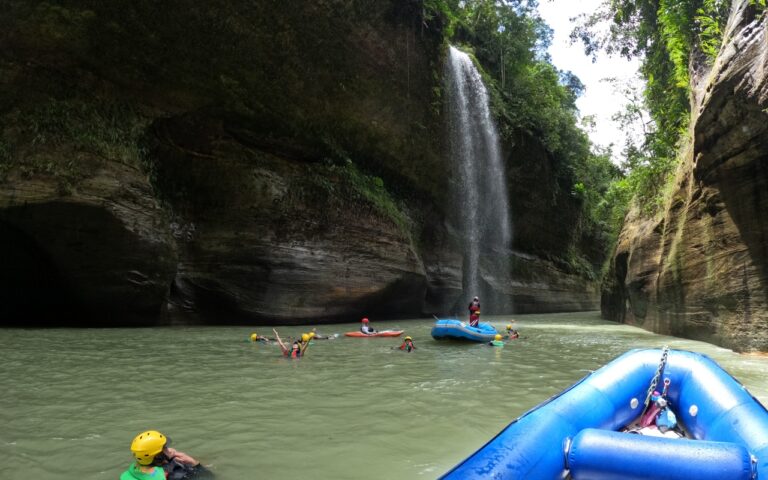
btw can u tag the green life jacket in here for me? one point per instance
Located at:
(134, 473)
(497, 343)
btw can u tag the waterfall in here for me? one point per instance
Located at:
(480, 187)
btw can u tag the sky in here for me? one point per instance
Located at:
(599, 99)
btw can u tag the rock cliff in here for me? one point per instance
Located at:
(238, 162)
(701, 271)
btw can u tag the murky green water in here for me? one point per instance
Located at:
(72, 400)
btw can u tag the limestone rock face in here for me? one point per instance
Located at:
(264, 239)
(233, 162)
(702, 271)
(98, 255)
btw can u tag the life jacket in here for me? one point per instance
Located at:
(134, 473)
(666, 420)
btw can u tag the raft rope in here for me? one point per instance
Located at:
(655, 380)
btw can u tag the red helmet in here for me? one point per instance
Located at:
(365, 320)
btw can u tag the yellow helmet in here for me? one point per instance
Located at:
(311, 334)
(305, 337)
(509, 326)
(254, 337)
(147, 445)
(409, 338)
(497, 337)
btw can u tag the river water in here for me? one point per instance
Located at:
(72, 400)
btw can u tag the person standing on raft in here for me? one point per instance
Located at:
(474, 312)
(366, 328)
(155, 460)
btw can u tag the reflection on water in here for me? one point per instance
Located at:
(72, 400)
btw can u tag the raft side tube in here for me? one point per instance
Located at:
(605, 455)
(612, 397)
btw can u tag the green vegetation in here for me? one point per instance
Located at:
(509, 41)
(533, 99)
(666, 35)
(108, 129)
(104, 130)
(339, 185)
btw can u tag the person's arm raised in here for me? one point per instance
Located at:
(280, 342)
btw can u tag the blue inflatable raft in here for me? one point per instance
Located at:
(576, 434)
(458, 330)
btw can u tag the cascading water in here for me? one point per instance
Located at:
(482, 206)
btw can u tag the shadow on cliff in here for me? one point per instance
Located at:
(734, 160)
(744, 191)
(32, 290)
(209, 304)
(68, 264)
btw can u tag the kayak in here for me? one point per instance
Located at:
(385, 333)
(582, 433)
(458, 330)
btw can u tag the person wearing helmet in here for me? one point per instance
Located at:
(298, 347)
(154, 459)
(474, 312)
(255, 337)
(366, 328)
(512, 333)
(407, 344)
(319, 336)
(497, 341)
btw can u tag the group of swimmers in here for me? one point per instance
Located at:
(154, 459)
(300, 345)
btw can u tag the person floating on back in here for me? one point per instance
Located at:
(318, 336)
(366, 328)
(155, 460)
(298, 347)
(255, 337)
(474, 312)
(407, 345)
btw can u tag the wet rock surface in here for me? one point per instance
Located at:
(702, 270)
(238, 163)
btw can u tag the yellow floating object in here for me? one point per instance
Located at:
(311, 334)
(254, 337)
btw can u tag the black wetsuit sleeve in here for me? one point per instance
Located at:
(178, 471)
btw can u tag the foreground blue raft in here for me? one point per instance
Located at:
(458, 330)
(576, 433)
